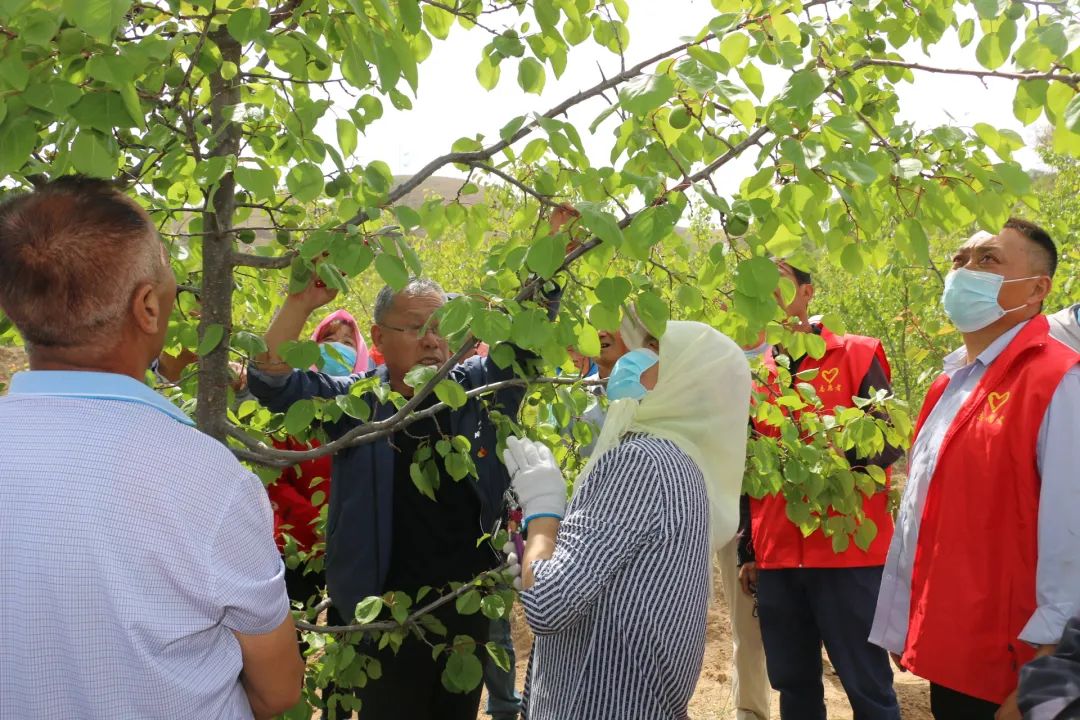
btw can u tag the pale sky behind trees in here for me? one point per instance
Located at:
(451, 103)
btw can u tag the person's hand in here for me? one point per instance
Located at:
(748, 575)
(513, 564)
(1009, 709)
(896, 661)
(562, 215)
(536, 478)
(314, 296)
(239, 376)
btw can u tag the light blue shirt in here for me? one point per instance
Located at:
(1057, 582)
(134, 547)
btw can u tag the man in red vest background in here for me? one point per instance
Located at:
(807, 593)
(984, 568)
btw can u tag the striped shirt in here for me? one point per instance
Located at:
(132, 546)
(619, 609)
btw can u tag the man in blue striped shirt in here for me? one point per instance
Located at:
(139, 573)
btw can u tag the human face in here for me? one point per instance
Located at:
(650, 377)
(799, 307)
(339, 331)
(406, 339)
(1007, 254)
(612, 348)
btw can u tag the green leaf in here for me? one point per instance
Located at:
(1071, 115)
(347, 137)
(493, 607)
(19, 138)
(247, 24)
(97, 18)
(646, 93)
(463, 672)
(91, 155)
(305, 182)
(102, 111)
(531, 76)
(39, 28)
(802, 89)
(299, 417)
(851, 258)
(409, 10)
(991, 52)
(498, 655)
(468, 603)
(451, 393)
(487, 73)
(249, 342)
(368, 609)
(300, 353)
(653, 313)
(259, 181)
(545, 255)
(55, 96)
(613, 291)
(865, 533)
(734, 48)
(392, 270)
(601, 223)
(757, 277)
(211, 339)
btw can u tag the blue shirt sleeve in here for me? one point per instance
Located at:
(1057, 579)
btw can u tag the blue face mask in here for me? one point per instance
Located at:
(971, 298)
(333, 366)
(756, 352)
(625, 380)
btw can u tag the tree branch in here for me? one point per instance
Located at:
(1072, 80)
(263, 262)
(542, 199)
(411, 620)
(259, 452)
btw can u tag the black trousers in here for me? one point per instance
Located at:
(802, 608)
(411, 687)
(948, 704)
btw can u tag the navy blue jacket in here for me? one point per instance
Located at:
(359, 522)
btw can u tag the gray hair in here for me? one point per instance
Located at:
(384, 301)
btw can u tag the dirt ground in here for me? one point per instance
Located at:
(12, 359)
(712, 699)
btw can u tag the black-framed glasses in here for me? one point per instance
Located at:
(417, 331)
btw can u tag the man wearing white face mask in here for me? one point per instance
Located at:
(981, 575)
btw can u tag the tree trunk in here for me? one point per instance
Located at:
(217, 284)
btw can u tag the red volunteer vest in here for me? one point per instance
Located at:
(778, 542)
(973, 582)
(291, 496)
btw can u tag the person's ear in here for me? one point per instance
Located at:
(1043, 286)
(808, 292)
(376, 336)
(147, 310)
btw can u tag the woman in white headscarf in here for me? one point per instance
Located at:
(617, 583)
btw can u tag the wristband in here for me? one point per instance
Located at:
(525, 526)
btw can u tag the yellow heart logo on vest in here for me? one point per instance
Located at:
(996, 400)
(830, 374)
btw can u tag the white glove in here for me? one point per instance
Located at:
(536, 479)
(513, 565)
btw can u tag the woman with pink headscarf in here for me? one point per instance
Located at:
(344, 352)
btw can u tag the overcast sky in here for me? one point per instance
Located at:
(451, 103)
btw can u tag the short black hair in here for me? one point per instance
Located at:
(802, 277)
(1041, 241)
